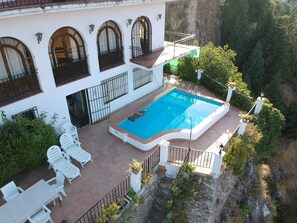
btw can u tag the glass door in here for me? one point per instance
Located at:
(78, 109)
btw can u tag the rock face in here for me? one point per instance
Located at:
(211, 195)
(200, 17)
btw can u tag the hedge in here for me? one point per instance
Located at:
(23, 144)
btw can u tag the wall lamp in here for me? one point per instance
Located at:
(39, 37)
(91, 28)
(129, 21)
(159, 16)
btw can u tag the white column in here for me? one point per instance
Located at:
(199, 74)
(242, 127)
(229, 95)
(135, 181)
(258, 108)
(163, 152)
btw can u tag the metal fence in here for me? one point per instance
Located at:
(197, 158)
(21, 86)
(150, 162)
(70, 70)
(111, 59)
(116, 193)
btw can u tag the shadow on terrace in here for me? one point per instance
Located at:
(111, 158)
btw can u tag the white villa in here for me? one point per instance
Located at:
(81, 59)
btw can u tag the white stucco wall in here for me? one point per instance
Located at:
(53, 99)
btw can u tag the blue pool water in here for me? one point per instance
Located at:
(171, 111)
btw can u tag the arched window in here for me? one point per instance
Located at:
(15, 59)
(67, 55)
(141, 37)
(110, 46)
(17, 73)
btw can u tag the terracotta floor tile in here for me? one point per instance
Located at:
(111, 158)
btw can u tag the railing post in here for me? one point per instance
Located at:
(199, 74)
(242, 127)
(164, 145)
(230, 91)
(135, 181)
(258, 108)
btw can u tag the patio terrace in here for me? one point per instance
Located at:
(111, 158)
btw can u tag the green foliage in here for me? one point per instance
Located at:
(270, 122)
(145, 178)
(274, 92)
(245, 209)
(218, 62)
(291, 121)
(241, 150)
(253, 70)
(180, 183)
(242, 101)
(235, 27)
(110, 213)
(238, 154)
(166, 68)
(186, 69)
(270, 45)
(24, 143)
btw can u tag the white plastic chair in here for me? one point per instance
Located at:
(10, 190)
(70, 129)
(60, 161)
(72, 148)
(59, 185)
(42, 216)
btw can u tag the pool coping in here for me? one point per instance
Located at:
(147, 144)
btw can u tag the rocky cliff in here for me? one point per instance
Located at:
(200, 17)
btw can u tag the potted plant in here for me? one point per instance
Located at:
(135, 166)
(135, 179)
(232, 84)
(110, 213)
(246, 118)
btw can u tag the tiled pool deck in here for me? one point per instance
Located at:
(111, 158)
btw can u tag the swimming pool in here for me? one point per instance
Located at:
(171, 116)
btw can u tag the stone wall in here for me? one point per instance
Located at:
(209, 197)
(138, 212)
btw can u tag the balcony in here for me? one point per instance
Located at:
(70, 71)
(108, 60)
(21, 86)
(6, 5)
(177, 45)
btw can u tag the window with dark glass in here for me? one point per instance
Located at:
(141, 37)
(110, 46)
(31, 113)
(17, 73)
(141, 77)
(15, 60)
(115, 87)
(67, 55)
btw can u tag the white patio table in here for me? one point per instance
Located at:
(28, 203)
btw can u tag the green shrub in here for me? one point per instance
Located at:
(186, 69)
(241, 150)
(24, 143)
(270, 122)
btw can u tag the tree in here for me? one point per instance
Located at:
(235, 28)
(274, 92)
(218, 63)
(253, 70)
(291, 120)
